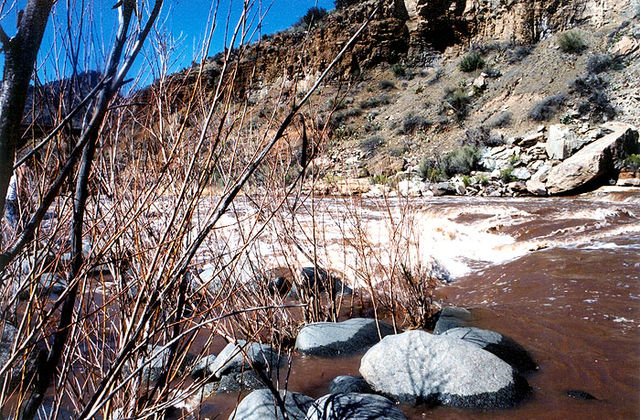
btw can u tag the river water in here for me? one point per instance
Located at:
(561, 276)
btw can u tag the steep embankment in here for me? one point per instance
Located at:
(426, 78)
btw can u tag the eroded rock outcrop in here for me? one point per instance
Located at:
(593, 161)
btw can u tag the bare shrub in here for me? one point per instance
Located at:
(501, 119)
(412, 123)
(547, 108)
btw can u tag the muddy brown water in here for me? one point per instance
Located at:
(571, 296)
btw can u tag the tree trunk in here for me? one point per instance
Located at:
(20, 57)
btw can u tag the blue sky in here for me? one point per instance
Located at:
(184, 24)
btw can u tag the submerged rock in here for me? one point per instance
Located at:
(504, 347)
(340, 338)
(354, 406)
(416, 366)
(260, 405)
(580, 395)
(452, 317)
(344, 384)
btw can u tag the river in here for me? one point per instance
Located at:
(559, 275)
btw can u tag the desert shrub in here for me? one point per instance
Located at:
(380, 179)
(399, 70)
(491, 72)
(471, 62)
(500, 120)
(343, 133)
(599, 63)
(460, 161)
(313, 16)
(597, 102)
(482, 180)
(398, 151)
(518, 53)
(506, 175)
(571, 42)
(547, 108)
(457, 100)
(413, 123)
(632, 162)
(370, 144)
(341, 4)
(371, 127)
(429, 170)
(436, 77)
(480, 137)
(386, 84)
(341, 117)
(335, 104)
(375, 102)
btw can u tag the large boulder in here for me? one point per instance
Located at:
(504, 347)
(242, 356)
(563, 142)
(260, 405)
(594, 160)
(342, 338)
(452, 317)
(420, 367)
(354, 406)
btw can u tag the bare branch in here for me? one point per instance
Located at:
(59, 127)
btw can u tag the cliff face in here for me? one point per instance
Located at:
(441, 23)
(410, 31)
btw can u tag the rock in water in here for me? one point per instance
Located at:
(593, 161)
(354, 406)
(203, 368)
(452, 317)
(233, 358)
(260, 405)
(580, 395)
(417, 367)
(504, 347)
(341, 338)
(345, 384)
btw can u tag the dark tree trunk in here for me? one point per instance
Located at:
(20, 56)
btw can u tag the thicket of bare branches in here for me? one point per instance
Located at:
(143, 241)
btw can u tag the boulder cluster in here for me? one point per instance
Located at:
(554, 160)
(457, 365)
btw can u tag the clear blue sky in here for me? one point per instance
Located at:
(184, 24)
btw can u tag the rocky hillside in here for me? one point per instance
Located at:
(436, 89)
